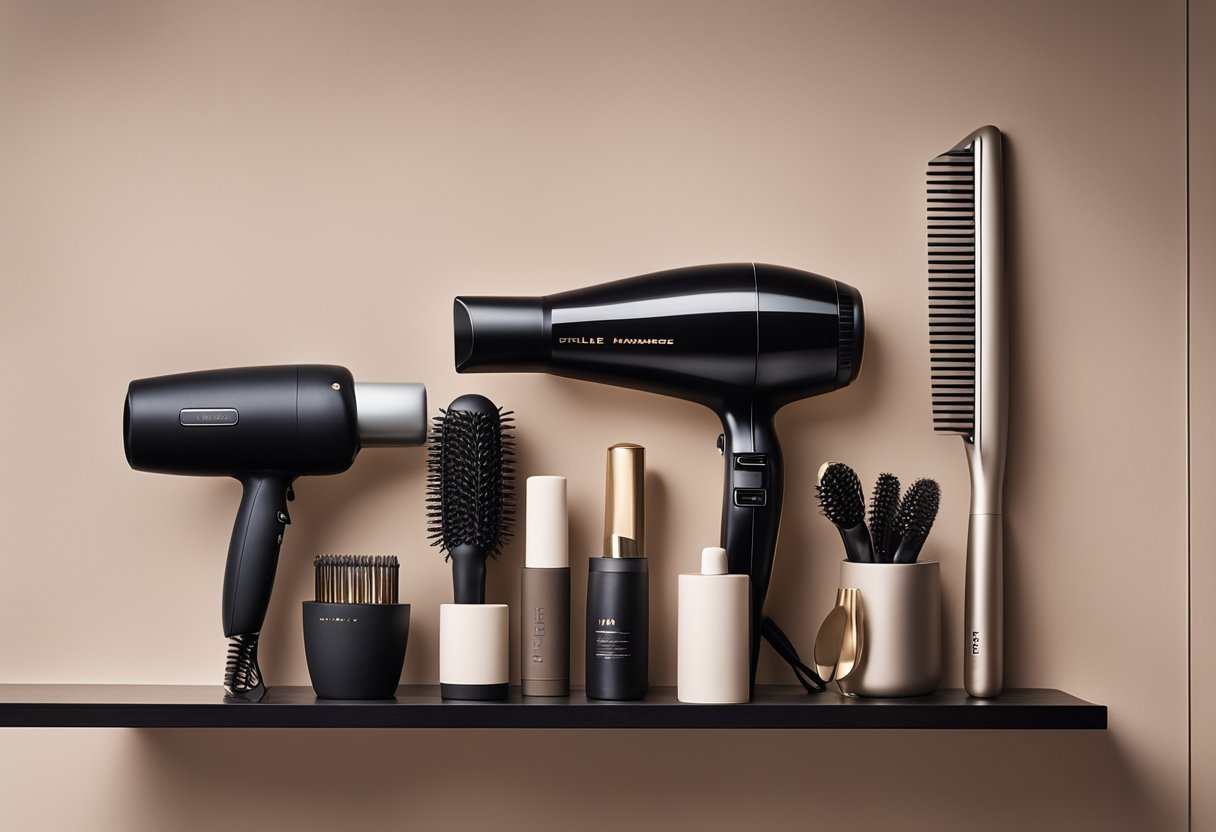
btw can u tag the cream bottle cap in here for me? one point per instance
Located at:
(546, 533)
(713, 560)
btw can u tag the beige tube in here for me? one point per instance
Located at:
(544, 600)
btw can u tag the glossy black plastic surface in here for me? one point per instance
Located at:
(743, 339)
(474, 693)
(510, 336)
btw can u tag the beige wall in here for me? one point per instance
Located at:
(194, 185)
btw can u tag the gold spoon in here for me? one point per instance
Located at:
(829, 642)
(852, 646)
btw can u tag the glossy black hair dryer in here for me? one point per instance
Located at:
(743, 339)
(265, 426)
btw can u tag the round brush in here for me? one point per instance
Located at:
(883, 506)
(917, 511)
(841, 501)
(470, 500)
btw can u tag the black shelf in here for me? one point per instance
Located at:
(419, 706)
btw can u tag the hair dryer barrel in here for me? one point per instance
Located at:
(290, 419)
(688, 333)
(721, 335)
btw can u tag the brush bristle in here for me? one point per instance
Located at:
(840, 496)
(952, 330)
(470, 480)
(918, 510)
(883, 507)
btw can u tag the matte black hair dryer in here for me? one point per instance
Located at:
(265, 426)
(743, 339)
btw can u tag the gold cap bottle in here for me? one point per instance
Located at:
(618, 585)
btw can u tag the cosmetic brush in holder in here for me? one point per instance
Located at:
(355, 632)
(471, 512)
(900, 628)
(842, 502)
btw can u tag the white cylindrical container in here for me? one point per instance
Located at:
(474, 648)
(902, 610)
(712, 648)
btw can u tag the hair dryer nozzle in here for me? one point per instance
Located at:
(496, 334)
(390, 415)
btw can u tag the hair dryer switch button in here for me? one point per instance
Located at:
(284, 518)
(750, 497)
(751, 462)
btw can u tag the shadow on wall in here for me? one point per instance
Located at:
(1017, 588)
(320, 779)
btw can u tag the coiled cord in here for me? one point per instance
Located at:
(242, 676)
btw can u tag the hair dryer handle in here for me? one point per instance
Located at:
(253, 553)
(751, 506)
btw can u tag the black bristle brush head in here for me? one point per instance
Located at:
(841, 500)
(840, 497)
(884, 504)
(915, 517)
(471, 474)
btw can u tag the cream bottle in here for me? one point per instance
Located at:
(712, 642)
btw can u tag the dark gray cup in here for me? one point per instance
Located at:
(355, 651)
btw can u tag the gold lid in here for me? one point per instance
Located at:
(625, 504)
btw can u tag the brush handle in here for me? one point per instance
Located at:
(908, 550)
(857, 545)
(468, 574)
(983, 647)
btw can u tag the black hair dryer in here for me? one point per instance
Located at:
(265, 426)
(743, 339)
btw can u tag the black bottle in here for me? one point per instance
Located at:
(618, 585)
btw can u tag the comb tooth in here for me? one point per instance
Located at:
(950, 199)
